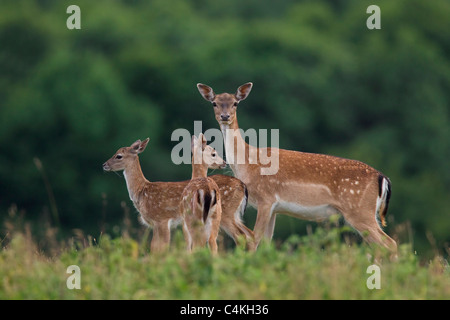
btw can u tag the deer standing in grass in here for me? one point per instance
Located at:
(201, 205)
(158, 202)
(307, 186)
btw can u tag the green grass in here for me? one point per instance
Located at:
(318, 266)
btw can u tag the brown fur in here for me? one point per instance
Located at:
(308, 180)
(158, 202)
(201, 205)
(199, 209)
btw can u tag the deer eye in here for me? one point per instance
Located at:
(119, 156)
(214, 104)
(235, 104)
(213, 155)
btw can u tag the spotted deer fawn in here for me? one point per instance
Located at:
(158, 202)
(307, 186)
(201, 205)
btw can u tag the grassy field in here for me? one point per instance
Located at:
(318, 266)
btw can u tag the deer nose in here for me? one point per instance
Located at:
(106, 167)
(225, 117)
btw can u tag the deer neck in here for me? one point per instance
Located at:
(236, 149)
(199, 171)
(135, 179)
(199, 168)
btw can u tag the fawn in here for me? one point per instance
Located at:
(158, 202)
(201, 204)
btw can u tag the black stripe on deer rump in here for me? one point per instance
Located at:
(208, 201)
(380, 184)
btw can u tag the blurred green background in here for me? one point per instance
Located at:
(70, 98)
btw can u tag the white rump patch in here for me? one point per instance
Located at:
(381, 199)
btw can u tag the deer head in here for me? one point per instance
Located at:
(205, 154)
(124, 156)
(225, 104)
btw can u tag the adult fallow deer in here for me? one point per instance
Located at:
(307, 185)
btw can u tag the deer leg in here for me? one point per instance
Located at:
(156, 242)
(369, 229)
(262, 221)
(212, 241)
(215, 215)
(165, 234)
(235, 228)
(242, 230)
(161, 237)
(271, 226)
(187, 237)
(249, 237)
(238, 230)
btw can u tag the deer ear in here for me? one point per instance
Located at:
(138, 146)
(202, 141)
(135, 146)
(243, 91)
(193, 142)
(143, 145)
(206, 92)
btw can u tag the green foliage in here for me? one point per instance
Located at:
(71, 98)
(303, 268)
